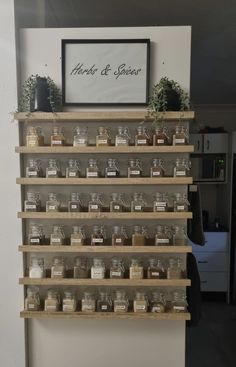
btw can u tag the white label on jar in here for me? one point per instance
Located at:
(102, 141)
(179, 141)
(160, 141)
(180, 207)
(87, 308)
(156, 173)
(135, 172)
(160, 208)
(97, 273)
(140, 307)
(58, 273)
(161, 203)
(68, 307)
(163, 240)
(104, 307)
(56, 142)
(115, 273)
(155, 273)
(34, 240)
(136, 274)
(137, 207)
(32, 173)
(72, 174)
(52, 172)
(94, 206)
(74, 206)
(117, 207)
(52, 207)
(92, 174)
(121, 141)
(142, 141)
(111, 174)
(118, 240)
(120, 308)
(55, 240)
(30, 206)
(51, 308)
(76, 240)
(97, 240)
(180, 173)
(179, 308)
(36, 273)
(156, 309)
(81, 141)
(31, 305)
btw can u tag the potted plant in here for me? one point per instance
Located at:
(40, 94)
(167, 95)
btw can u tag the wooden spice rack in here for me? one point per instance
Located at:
(104, 116)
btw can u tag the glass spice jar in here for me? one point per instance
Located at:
(92, 171)
(138, 203)
(98, 269)
(160, 203)
(53, 169)
(34, 168)
(157, 303)
(81, 270)
(57, 237)
(98, 236)
(181, 202)
(58, 268)
(103, 138)
(88, 302)
(160, 137)
(121, 303)
(32, 300)
(52, 302)
(35, 235)
(135, 269)
(179, 303)
(80, 137)
(179, 236)
(95, 204)
(163, 236)
(32, 202)
(135, 168)
(139, 236)
(122, 137)
(112, 169)
(52, 204)
(72, 170)
(157, 168)
(181, 135)
(104, 302)
(182, 167)
(142, 137)
(34, 137)
(57, 137)
(77, 237)
(74, 204)
(119, 236)
(116, 203)
(140, 302)
(155, 269)
(174, 269)
(69, 301)
(36, 269)
(117, 270)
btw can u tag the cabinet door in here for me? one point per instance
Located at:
(214, 242)
(197, 141)
(212, 261)
(215, 143)
(214, 281)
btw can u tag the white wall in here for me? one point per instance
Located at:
(11, 295)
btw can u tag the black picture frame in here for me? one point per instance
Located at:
(98, 89)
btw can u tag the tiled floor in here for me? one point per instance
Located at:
(213, 342)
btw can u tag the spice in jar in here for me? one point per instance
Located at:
(142, 137)
(36, 269)
(104, 302)
(122, 137)
(98, 269)
(119, 236)
(103, 138)
(179, 236)
(53, 169)
(138, 203)
(52, 302)
(32, 202)
(35, 235)
(74, 204)
(80, 268)
(72, 170)
(135, 168)
(34, 169)
(88, 302)
(117, 269)
(121, 302)
(95, 204)
(112, 169)
(157, 168)
(179, 303)
(98, 236)
(160, 137)
(92, 171)
(155, 269)
(139, 236)
(181, 202)
(163, 236)
(57, 138)
(80, 137)
(34, 137)
(157, 303)
(58, 268)
(181, 135)
(77, 237)
(135, 269)
(182, 167)
(57, 237)
(116, 203)
(174, 269)
(160, 203)
(68, 301)
(32, 300)
(52, 204)
(140, 302)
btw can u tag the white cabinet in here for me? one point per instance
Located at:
(209, 143)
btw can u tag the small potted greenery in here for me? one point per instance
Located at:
(40, 94)
(167, 95)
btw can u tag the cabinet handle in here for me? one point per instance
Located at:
(198, 145)
(208, 144)
(204, 281)
(203, 262)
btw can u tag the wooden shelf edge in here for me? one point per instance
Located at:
(127, 116)
(108, 315)
(107, 249)
(106, 282)
(104, 215)
(105, 181)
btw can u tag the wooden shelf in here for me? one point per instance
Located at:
(110, 150)
(106, 181)
(108, 249)
(105, 315)
(106, 116)
(106, 282)
(104, 215)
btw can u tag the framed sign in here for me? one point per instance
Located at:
(105, 72)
